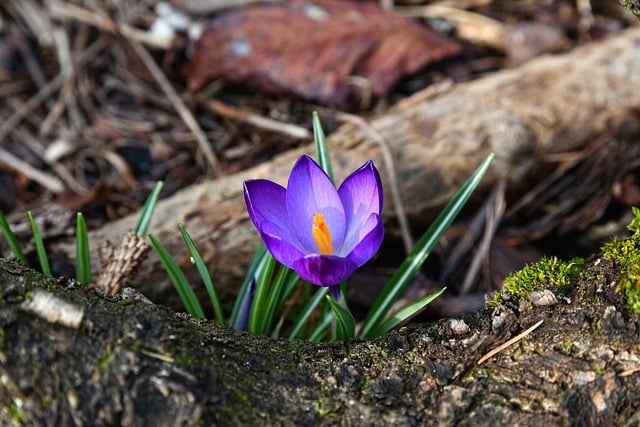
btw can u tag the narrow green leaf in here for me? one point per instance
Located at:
(306, 312)
(42, 253)
(281, 286)
(204, 273)
(324, 160)
(12, 241)
(405, 313)
(401, 278)
(83, 257)
(179, 280)
(321, 329)
(259, 257)
(345, 323)
(258, 317)
(147, 211)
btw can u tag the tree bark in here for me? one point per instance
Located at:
(550, 105)
(71, 357)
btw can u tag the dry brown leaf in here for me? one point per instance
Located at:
(310, 48)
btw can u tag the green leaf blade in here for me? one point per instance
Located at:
(306, 312)
(40, 250)
(259, 316)
(147, 210)
(405, 313)
(179, 280)
(204, 273)
(11, 239)
(83, 257)
(407, 270)
(324, 160)
(345, 323)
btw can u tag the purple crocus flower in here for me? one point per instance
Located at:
(321, 232)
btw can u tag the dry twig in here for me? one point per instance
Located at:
(119, 264)
(48, 181)
(259, 121)
(389, 164)
(508, 343)
(179, 106)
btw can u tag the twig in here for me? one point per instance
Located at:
(262, 122)
(179, 105)
(33, 67)
(61, 42)
(53, 309)
(495, 210)
(36, 146)
(585, 10)
(36, 19)
(389, 164)
(629, 372)
(509, 343)
(119, 264)
(33, 103)
(69, 11)
(490, 215)
(46, 180)
(470, 26)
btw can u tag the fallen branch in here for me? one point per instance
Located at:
(124, 360)
(550, 105)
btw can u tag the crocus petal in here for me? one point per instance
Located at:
(361, 195)
(266, 204)
(242, 320)
(370, 243)
(265, 200)
(323, 270)
(310, 190)
(282, 249)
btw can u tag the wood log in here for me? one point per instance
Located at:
(75, 358)
(550, 105)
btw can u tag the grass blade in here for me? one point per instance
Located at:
(147, 211)
(42, 253)
(345, 323)
(179, 280)
(259, 315)
(83, 257)
(405, 313)
(204, 273)
(283, 285)
(12, 241)
(321, 329)
(306, 312)
(398, 282)
(321, 146)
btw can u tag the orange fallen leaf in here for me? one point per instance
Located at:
(309, 48)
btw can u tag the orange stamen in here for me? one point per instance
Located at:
(322, 235)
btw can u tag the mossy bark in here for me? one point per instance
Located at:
(130, 362)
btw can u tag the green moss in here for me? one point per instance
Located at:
(630, 284)
(537, 276)
(627, 253)
(551, 271)
(622, 251)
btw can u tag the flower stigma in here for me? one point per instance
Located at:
(322, 234)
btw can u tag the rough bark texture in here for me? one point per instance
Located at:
(130, 362)
(552, 104)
